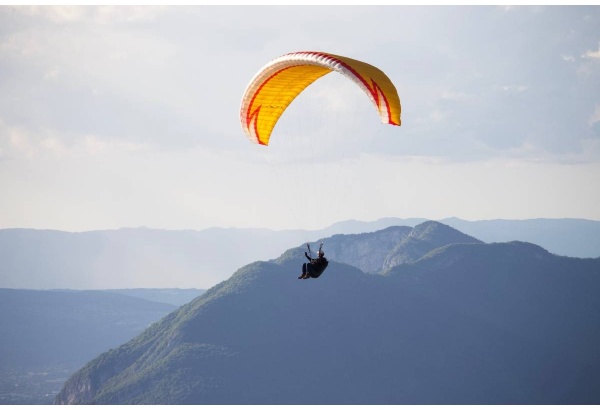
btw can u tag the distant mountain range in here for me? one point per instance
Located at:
(442, 318)
(176, 297)
(44, 328)
(153, 258)
(45, 336)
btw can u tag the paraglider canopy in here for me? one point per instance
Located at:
(276, 85)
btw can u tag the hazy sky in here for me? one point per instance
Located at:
(129, 116)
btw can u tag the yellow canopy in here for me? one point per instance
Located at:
(276, 85)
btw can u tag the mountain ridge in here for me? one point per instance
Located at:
(261, 336)
(422, 239)
(45, 328)
(151, 258)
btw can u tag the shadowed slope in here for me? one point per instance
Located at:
(465, 324)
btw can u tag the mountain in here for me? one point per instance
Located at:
(376, 251)
(131, 258)
(45, 336)
(466, 323)
(423, 239)
(567, 237)
(43, 328)
(354, 227)
(366, 251)
(154, 258)
(177, 297)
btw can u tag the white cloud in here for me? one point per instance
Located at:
(457, 96)
(593, 54)
(24, 44)
(55, 14)
(595, 117)
(514, 88)
(96, 146)
(14, 142)
(110, 14)
(437, 116)
(52, 74)
(533, 8)
(53, 145)
(87, 87)
(525, 150)
(18, 142)
(92, 14)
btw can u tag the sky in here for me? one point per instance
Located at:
(128, 116)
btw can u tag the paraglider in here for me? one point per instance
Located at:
(280, 81)
(315, 267)
(276, 85)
